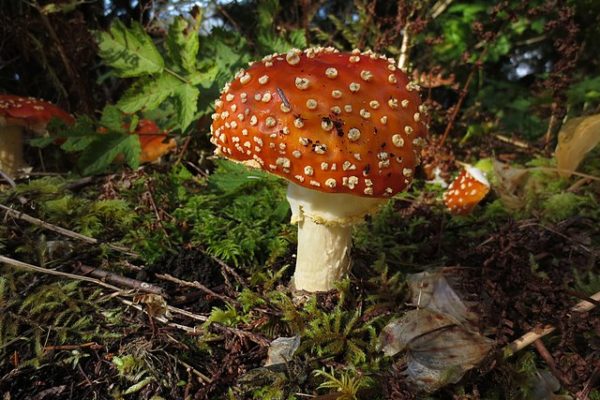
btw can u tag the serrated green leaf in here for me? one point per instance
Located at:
(79, 135)
(133, 124)
(297, 38)
(147, 94)
(187, 104)
(41, 141)
(183, 44)
(101, 153)
(231, 176)
(112, 118)
(267, 11)
(130, 52)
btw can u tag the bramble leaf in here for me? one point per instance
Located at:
(97, 156)
(112, 118)
(187, 103)
(183, 43)
(148, 94)
(130, 52)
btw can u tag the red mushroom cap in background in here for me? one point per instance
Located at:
(330, 121)
(152, 140)
(466, 191)
(29, 112)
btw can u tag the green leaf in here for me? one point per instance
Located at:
(267, 11)
(112, 118)
(130, 52)
(298, 38)
(230, 176)
(79, 135)
(101, 153)
(183, 43)
(148, 94)
(42, 141)
(187, 103)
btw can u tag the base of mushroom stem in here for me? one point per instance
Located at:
(11, 150)
(323, 255)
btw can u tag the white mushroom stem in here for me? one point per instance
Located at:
(325, 223)
(323, 255)
(11, 150)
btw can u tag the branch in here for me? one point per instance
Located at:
(120, 280)
(538, 333)
(33, 268)
(197, 285)
(256, 338)
(63, 231)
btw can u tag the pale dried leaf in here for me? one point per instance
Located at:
(576, 138)
(431, 290)
(154, 304)
(397, 335)
(282, 349)
(509, 184)
(439, 350)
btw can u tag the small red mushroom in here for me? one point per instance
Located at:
(152, 140)
(466, 191)
(18, 113)
(345, 129)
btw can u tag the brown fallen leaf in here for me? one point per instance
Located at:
(576, 138)
(509, 184)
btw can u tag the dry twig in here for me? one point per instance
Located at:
(28, 267)
(63, 231)
(120, 280)
(539, 333)
(197, 285)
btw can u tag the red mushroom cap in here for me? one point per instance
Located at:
(29, 112)
(152, 140)
(330, 121)
(466, 191)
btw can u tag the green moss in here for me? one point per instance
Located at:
(563, 205)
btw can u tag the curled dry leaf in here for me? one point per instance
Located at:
(576, 138)
(439, 350)
(154, 304)
(431, 290)
(282, 349)
(509, 184)
(439, 340)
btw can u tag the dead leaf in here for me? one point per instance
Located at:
(439, 350)
(282, 349)
(431, 290)
(509, 183)
(155, 305)
(576, 138)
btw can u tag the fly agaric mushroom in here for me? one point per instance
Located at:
(466, 191)
(344, 128)
(18, 113)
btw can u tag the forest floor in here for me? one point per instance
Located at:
(176, 282)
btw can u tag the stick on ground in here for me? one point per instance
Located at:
(536, 334)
